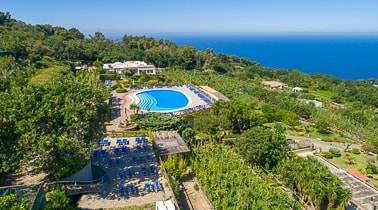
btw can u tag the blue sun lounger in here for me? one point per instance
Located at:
(118, 161)
(137, 140)
(129, 173)
(141, 159)
(157, 186)
(120, 174)
(124, 150)
(135, 160)
(122, 190)
(153, 170)
(132, 189)
(148, 187)
(139, 148)
(110, 162)
(144, 171)
(144, 148)
(103, 152)
(125, 141)
(117, 151)
(144, 139)
(95, 153)
(149, 158)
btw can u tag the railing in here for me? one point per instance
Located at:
(174, 200)
(79, 187)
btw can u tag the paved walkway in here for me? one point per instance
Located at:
(196, 199)
(323, 146)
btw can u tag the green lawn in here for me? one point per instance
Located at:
(359, 164)
(331, 137)
(324, 93)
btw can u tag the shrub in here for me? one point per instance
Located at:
(370, 159)
(356, 151)
(373, 169)
(335, 152)
(120, 90)
(13, 202)
(196, 187)
(327, 155)
(58, 200)
(300, 133)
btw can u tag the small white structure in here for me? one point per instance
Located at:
(316, 103)
(165, 205)
(138, 66)
(297, 89)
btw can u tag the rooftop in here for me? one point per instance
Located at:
(358, 175)
(170, 142)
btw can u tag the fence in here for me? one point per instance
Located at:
(174, 200)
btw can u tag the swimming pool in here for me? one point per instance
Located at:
(162, 100)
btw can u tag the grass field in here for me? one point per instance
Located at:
(324, 93)
(331, 137)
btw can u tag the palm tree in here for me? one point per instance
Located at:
(134, 107)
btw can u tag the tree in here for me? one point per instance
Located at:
(238, 114)
(334, 151)
(264, 147)
(322, 126)
(134, 107)
(188, 135)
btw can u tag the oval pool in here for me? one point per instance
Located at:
(162, 100)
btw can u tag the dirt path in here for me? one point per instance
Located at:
(197, 199)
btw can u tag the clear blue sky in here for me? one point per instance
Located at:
(159, 16)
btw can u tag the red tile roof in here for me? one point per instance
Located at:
(358, 175)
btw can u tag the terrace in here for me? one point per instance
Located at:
(133, 171)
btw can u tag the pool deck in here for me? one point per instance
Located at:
(126, 99)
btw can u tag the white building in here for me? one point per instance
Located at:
(138, 66)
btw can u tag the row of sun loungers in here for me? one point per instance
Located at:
(121, 150)
(122, 141)
(101, 152)
(153, 187)
(130, 173)
(142, 159)
(199, 94)
(132, 189)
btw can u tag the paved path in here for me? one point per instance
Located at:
(197, 199)
(324, 146)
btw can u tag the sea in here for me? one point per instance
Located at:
(349, 56)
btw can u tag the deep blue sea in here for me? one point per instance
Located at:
(349, 56)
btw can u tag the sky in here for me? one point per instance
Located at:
(172, 16)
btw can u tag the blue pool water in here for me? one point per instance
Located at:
(162, 100)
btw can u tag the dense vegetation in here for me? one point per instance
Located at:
(51, 113)
(230, 183)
